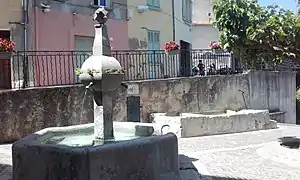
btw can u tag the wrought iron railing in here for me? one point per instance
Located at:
(52, 68)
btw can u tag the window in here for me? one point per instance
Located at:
(4, 34)
(153, 40)
(153, 46)
(105, 3)
(153, 3)
(81, 43)
(187, 11)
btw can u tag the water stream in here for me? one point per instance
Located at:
(82, 107)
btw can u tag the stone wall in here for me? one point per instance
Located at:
(26, 111)
(192, 94)
(275, 91)
(257, 90)
(23, 112)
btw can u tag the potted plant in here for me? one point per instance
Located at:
(110, 78)
(6, 48)
(171, 48)
(216, 47)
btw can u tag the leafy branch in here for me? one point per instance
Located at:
(257, 33)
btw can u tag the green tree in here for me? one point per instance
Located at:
(257, 33)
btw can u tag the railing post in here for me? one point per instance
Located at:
(24, 69)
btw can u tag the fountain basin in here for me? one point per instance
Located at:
(153, 157)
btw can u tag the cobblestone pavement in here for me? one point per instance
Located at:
(5, 162)
(253, 155)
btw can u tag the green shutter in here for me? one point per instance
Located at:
(154, 3)
(184, 5)
(150, 2)
(191, 11)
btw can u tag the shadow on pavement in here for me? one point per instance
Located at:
(186, 163)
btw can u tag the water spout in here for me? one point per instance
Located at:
(88, 86)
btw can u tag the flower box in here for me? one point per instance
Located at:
(171, 48)
(218, 51)
(173, 52)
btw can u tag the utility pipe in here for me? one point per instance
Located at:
(25, 48)
(25, 22)
(173, 20)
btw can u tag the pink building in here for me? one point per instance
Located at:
(69, 27)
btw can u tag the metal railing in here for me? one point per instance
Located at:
(52, 68)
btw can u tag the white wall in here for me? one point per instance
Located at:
(201, 8)
(183, 31)
(203, 35)
(203, 31)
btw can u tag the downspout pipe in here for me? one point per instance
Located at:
(173, 20)
(25, 23)
(25, 38)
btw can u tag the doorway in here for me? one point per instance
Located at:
(5, 64)
(185, 59)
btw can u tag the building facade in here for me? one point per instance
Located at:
(151, 25)
(58, 25)
(68, 25)
(11, 22)
(203, 32)
(183, 22)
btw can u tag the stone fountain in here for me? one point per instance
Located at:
(103, 150)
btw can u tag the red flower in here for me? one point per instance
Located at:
(171, 46)
(6, 45)
(215, 45)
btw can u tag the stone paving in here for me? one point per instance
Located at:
(252, 155)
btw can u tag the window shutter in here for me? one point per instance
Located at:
(157, 41)
(184, 6)
(150, 2)
(156, 3)
(191, 11)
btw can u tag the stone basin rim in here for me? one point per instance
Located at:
(33, 139)
(30, 141)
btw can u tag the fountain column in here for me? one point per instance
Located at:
(103, 75)
(103, 117)
(103, 129)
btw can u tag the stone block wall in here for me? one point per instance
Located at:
(195, 94)
(256, 90)
(274, 91)
(23, 112)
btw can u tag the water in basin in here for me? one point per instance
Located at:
(87, 139)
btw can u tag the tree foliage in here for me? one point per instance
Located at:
(257, 33)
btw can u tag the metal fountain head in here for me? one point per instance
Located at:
(99, 72)
(100, 15)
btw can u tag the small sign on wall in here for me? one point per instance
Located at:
(133, 90)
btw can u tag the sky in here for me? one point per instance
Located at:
(286, 4)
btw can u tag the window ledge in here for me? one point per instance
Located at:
(189, 23)
(154, 8)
